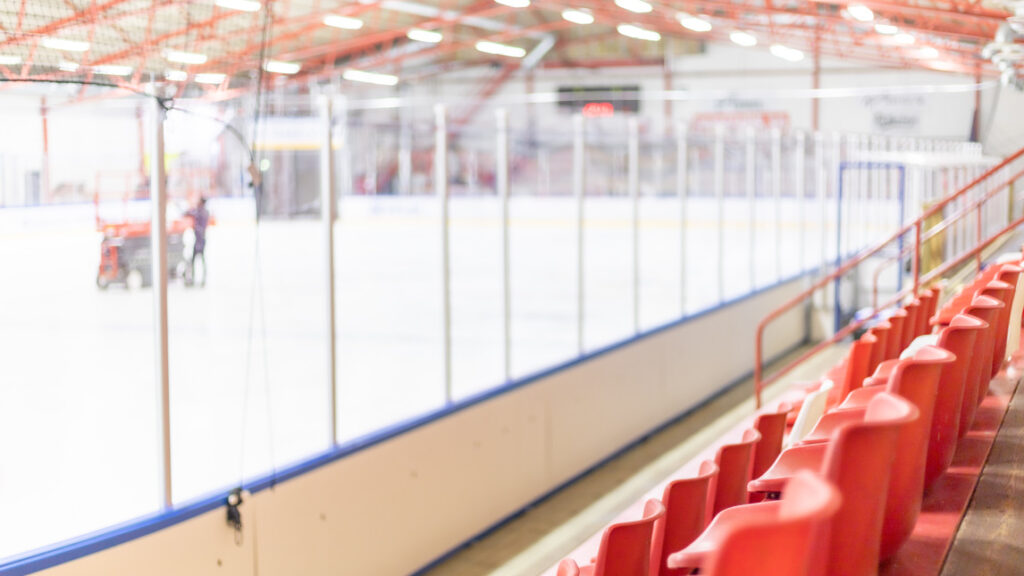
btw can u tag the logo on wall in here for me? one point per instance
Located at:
(895, 113)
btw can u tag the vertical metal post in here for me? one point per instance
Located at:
(633, 175)
(800, 176)
(751, 184)
(902, 191)
(837, 160)
(327, 212)
(345, 170)
(501, 183)
(777, 198)
(158, 248)
(579, 188)
(821, 182)
(682, 191)
(405, 151)
(441, 190)
(839, 252)
(719, 184)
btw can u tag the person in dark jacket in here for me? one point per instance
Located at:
(200, 218)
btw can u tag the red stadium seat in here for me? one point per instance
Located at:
(881, 333)
(735, 462)
(776, 538)
(910, 324)
(989, 313)
(625, 548)
(685, 503)
(894, 344)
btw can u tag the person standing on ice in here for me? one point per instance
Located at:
(200, 219)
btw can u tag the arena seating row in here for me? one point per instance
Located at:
(831, 480)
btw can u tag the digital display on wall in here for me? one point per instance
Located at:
(599, 100)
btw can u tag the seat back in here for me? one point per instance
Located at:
(928, 300)
(881, 333)
(685, 502)
(735, 461)
(857, 367)
(1016, 311)
(983, 308)
(910, 324)
(1002, 292)
(894, 345)
(916, 379)
(958, 338)
(858, 462)
(811, 410)
(772, 426)
(1008, 275)
(782, 544)
(626, 547)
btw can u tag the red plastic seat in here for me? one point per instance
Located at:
(959, 338)
(894, 345)
(772, 426)
(881, 333)
(986, 309)
(768, 538)
(685, 503)
(625, 548)
(928, 300)
(910, 324)
(858, 460)
(735, 461)
(1008, 276)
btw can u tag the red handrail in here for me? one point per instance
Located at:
(938, 229)
(760, 382)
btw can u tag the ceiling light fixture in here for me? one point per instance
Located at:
(342, 22)
(638, 6)
(240, 5)
(887, 29)
(68, 66)
(428, 36)
(112, 70)
(209, 78)
(860, 12)
(370, 77)
(64, 44)
(185, 57)
(514, 3)
(176, 75)
(9, 60)
(577, 16)
(500, 49)
(926, 53)
(786, 53)
(279, 67)
(904, 39)
(693, 23)
(741, 38)
(633, 31)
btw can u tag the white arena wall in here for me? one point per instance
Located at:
(400, 504)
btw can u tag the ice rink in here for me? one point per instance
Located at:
(248, 352)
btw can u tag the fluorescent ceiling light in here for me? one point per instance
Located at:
(514, 3)
(242, 5)
(112, 70)
(66, 45)
(926, 53)
(860, 12)
(185, 57)
(741, 38)
(343, 22)
(9, 60)
(693, 23)
(209, 78)
(176, 75)
(68, 66)
(279, 67)
(904, 39)
(577, 16)
(944, 65)
(886, 29)
(428, 36)
(414, 8)
(637, 32)
(786, 53)
(370, 77)
(638, 6)
(500, 49)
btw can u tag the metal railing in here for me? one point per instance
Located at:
(983, 182)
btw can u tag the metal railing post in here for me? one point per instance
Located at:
(820, 186)
(579, 191)
(327, 212)
(719, 184)
(441, 191)
(751, 184)
(777, 198)
(501, 183)
(801, 189)
(633, 175)
(682, 191)
(158, 248)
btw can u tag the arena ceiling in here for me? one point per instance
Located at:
(218, 47)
